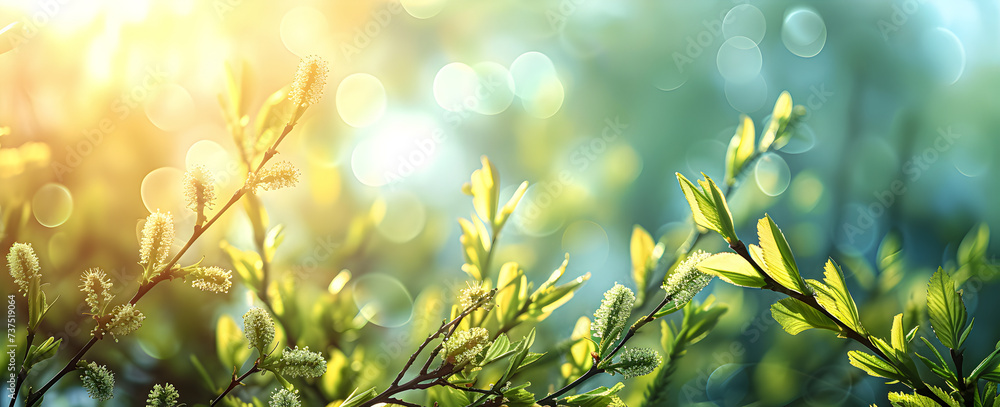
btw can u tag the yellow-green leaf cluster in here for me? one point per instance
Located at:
(709, 207)
(779, 263)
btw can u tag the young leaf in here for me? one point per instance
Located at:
(702, 207)
(485, 187)
(733, 269)
(641, 249)
(356, 399)
(946, 309)
(832, 294)
(775, 133)
(873, 365)
(599, 397)
(725, 216)
(974, 244)
(795, 316)
(778, 259)
(741, 148)
(898, 335)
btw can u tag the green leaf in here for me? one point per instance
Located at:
(702, 207)
(41, 352)
(775, 135)
(733, 269)
(519, 397)
(725, 216)
(974, 245)
(989, 364)
(873, 365)
(939, 368)
(946, 309)
(700, 319)
(230, 345)
(898, 335)
(741, 148)
(795, 316)
(599, 397)
(915, 400)
(778, 259)
(207, 378)
(641, 249)
(272, 240)
(271, 120)
(833, 296)
(485, 187)
(499, 347)
(356, 399)
(247, 265)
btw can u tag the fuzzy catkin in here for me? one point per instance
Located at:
(157, 239)
(285, 398)
(199, 188)
(97, 286)
(258, 327)
(302, 363)
(126, 319)
(463, 346)
(162, 396)
(214, 279)
(310, 78)
(99, 381)
(639, 362)
(612, 316)
(687, 280)
(23, 265)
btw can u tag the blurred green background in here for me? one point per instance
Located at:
(596, 103)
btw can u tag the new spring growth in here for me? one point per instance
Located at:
(463, 346)
(125, 320)
(637, 362)
(687, 280)
(157, 239)
(478, 296)
(214, 279)
(258, 328)
(612, 316)
(162, 396)
(97, 287)
(280, 175)
(98, 380)
(307, 88)
(199, 190)
(301, 363)
(23, 266)
(285, 398)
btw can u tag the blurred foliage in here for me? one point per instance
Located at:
(105, 104)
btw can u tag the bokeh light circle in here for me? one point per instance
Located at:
(803, 139)
(772, 174)
(494, 90)
(547, 101)
(747, 97)
(945, 54)
(455, 87)
(969, 156)
(161, 190)
(404, 219)
(216, 159)
(302, 29)
(531, 71)
(744, 20)
(361, 99)
(52, 205)
(739, 59)
(382, 299)
(423, 9)
(171, 108)
(803, 32)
